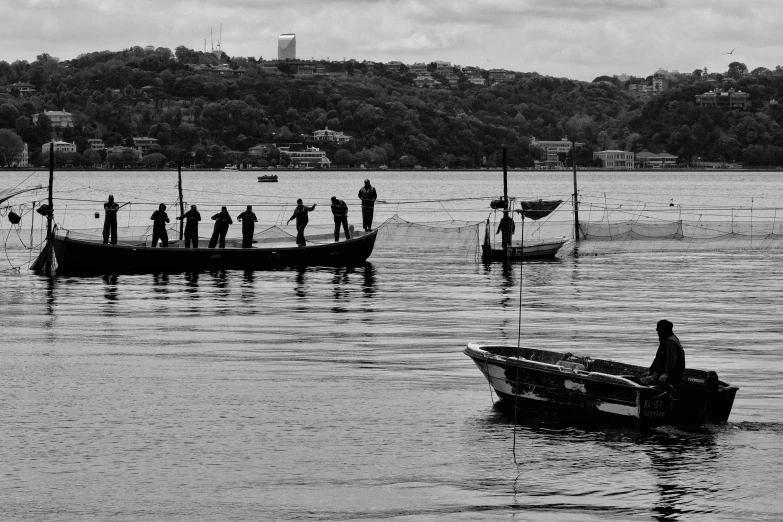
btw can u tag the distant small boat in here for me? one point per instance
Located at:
(268, 178)
(547, 382)
(230, 167)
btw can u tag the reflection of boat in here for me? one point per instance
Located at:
(549, 382)
(83, 256)
(267, 178)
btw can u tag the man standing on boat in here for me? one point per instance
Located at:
(191, 217)
(300, 214)
(506, 227)
(340, 214)
(110, 209)
(159, 219)
(222, 221)
(669, 363)
(368, 196)
(248, 219)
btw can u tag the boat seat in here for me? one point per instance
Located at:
(571, 365)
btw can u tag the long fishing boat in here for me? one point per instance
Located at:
(83, 256)
(529, 380)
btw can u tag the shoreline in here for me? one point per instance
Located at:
(354, 169)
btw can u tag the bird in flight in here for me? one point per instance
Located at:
(732, 51)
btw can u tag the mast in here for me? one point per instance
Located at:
(505, 201)
(576, 202)
(181, 203)
(50, 214)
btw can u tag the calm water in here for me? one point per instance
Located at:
(342, 394)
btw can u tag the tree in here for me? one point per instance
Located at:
(343, 157)
(92, 157)
(736, 70)
(129, 157)
(154, 160)
(11, 146)
(8, 116)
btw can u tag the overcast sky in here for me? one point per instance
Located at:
(578, 39)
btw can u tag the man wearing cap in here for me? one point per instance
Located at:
(222, 221)
(110, 209)
(159, 219)
(368, 196)
(191, 217)
(340, 214)
(300, 214)
(669, 363)
(248, 219)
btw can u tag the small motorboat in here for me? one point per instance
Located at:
(268, 178)
(538, 381)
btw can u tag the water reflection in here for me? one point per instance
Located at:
(110, 294)
(248, 293)
(341, 288)
(301, 287)
(368, 286)
(160, 282)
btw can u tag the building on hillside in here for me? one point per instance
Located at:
(22, 159)
(418, 68)
(395, 66)
(425, 80)
(219, 70)
(95, 144)
(262, 150)
(306, 157)
(615, 159)
(716, 98)
(25, 89)
(659, 84)
(286, 47)
(330, 135)
(58, 118)
(476, 80)
(501, 75)
(453, 80)
(144, 145)
(650, 160)
(552, 149)
(59, 146)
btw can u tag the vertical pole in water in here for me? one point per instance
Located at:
(507, 231)
(576, 203)
(181, 203)
(49, 215)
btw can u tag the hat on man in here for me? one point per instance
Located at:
(193, 207)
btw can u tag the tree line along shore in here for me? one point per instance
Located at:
(200, 113)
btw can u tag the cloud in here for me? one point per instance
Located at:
(576, 38)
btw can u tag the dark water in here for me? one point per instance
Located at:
(342, 394)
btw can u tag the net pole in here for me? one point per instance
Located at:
(181, 203)
(576, 203)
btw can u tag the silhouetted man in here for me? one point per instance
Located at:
(340, 214)
(368, 196)
(300, 214)
(506, 228)
(248, 219)
(159, 219)
(222, 221)
(669, 363)
(110, 209)
(191, 217)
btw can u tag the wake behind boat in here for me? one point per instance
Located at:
(554, 383)
(80, 254)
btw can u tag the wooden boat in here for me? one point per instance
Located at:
(580, 388)
(268, 178)
(519, 250)
(91, 256)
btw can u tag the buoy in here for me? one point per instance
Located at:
(97, 215)
(14, 218)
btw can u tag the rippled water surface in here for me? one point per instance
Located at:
(343, 394)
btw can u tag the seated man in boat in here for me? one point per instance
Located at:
(340, 214)
(300, 214)
(669, 363)
(191, 217)
(222, 221)
(248, 219)
(506, 227)
(159, 219)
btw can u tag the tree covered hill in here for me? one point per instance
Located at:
(210, 110)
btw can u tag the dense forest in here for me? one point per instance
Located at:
(203, 117)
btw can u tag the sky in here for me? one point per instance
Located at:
(578, 39)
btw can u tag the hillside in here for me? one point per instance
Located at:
(211, 118)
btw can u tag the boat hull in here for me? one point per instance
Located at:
(79, 257)
(518, 251)
(531, 381)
